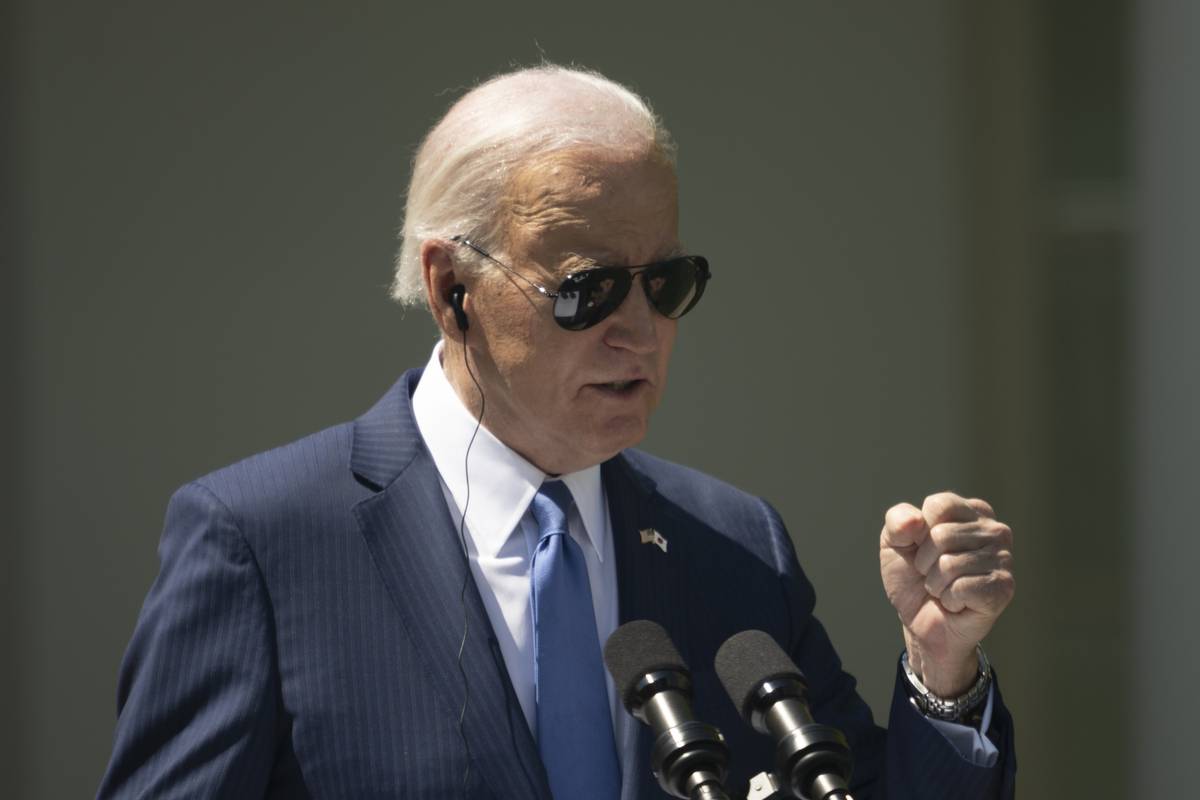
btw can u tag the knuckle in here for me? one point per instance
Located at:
(1001, 587)
(998, 533)
(932, 506)
(938, 498)
(947, 505)
(981, 505)
(943, 533)
(1005, 580)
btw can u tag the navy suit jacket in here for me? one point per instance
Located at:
(302, 636)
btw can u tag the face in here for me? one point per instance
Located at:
(564, 399)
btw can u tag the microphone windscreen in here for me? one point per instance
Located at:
(745, 661)
(635, 649)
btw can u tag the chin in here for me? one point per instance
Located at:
(616, 435)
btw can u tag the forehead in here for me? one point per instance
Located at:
(596, 203)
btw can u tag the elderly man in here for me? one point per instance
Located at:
(413, 604)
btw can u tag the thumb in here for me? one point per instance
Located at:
(903, 527)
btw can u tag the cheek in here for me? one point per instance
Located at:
(666, 343)
(536, 366)
(511, 330)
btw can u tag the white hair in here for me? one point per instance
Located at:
(462, 169)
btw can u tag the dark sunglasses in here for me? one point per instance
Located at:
(585, 298)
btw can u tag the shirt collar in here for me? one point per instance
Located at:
(503, 483)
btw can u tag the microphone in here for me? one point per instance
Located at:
(690, 758)
(771, 694)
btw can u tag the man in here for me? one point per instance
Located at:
(412, 604)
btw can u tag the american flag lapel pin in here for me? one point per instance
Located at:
(651, 536)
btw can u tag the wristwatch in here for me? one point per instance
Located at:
(956, 709)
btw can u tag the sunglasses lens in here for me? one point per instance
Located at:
(589, 296)
(674, 287)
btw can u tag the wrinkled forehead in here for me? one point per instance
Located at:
(608, 205)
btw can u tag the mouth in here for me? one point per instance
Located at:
(621, 388)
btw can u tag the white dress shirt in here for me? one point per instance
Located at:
(501, 533)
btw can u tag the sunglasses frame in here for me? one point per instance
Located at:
(703, 276)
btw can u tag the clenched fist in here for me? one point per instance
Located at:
(947, 569)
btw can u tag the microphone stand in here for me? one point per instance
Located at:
(688, 755)
(709, 791)
(765, 786)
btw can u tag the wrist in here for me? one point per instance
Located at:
(946, 675)
(956, 707)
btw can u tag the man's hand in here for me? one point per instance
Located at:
(947, 568)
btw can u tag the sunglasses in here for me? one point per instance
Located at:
(586, 297)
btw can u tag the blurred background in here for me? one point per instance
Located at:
(955, 246)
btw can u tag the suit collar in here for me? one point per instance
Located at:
(386, 437)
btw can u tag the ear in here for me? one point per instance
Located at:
(437, 270)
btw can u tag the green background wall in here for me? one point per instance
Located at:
(917, 215)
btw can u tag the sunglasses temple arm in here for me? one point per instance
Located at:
(507, 268)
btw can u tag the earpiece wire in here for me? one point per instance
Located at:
(462, 538)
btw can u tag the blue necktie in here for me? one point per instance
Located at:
(575, 736)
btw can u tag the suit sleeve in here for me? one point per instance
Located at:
(911, 760)
(197, 696)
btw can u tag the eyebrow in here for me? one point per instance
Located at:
(608, 258)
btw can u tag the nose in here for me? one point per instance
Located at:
(634, 325)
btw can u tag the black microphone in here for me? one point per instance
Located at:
(812, 760)
(689, 758)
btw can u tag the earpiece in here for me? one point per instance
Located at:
(457, 293)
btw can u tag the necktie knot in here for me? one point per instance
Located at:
(550, 506)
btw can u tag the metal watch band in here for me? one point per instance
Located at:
(952, 709)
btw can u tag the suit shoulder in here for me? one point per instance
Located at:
(683, 483)
(293, 475)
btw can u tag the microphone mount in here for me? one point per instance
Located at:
(689, 758)
(814, 758)
(812, 761)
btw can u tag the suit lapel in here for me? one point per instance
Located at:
(649, 587)
(412, 538)
(647, 575)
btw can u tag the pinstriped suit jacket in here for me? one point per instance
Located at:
(301, 639)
